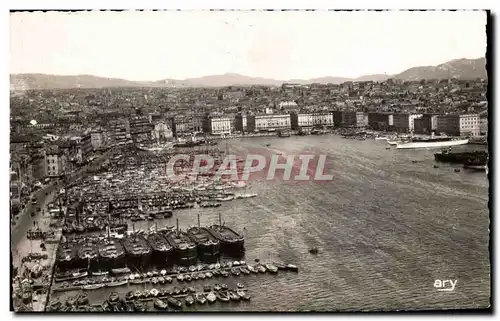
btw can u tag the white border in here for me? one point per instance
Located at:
(188, 4)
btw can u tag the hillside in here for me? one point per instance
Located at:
(459, 68)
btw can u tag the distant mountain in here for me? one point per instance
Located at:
(43, 81)
(459, 68)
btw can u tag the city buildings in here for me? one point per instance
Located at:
(311, 120)
(217, 125)
(268, 122)
(459, 125)
(55, 162)
(348, 119)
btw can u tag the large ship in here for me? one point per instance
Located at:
(88, 255)
(460, 157)
(184, 248)
(431, 143)
(137, 250)
(231, 243)
(162, 250)
(66, 256)
(111, 254)
(207, 244)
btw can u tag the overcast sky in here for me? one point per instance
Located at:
(279, 45)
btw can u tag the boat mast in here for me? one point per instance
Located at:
(198, 220)
(177, 225)
(220, 219)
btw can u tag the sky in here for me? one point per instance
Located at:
(146, 46)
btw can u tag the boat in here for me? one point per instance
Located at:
(232, 244)
(222, 296)
(200, 298)
(209, 275)
(271, 268)
(207, 245)
(180, 277)
(71, 276)
(233, 296)
(460, 157)
(66, 257)
(88, 255)
(116, 283)
(140, 306)
(163, 252)
(235, 271)
(93, 286)
(244, 270)
(113, 297)
(432, 143)
(100, 273)
(223, 286)
(224, 273)
(189, 300)
(124, 270)
(239, 285)
(138, 251)
(187, 278)
(174, 302)
(243, 294)
(252, 269)
(211, 298)
(207, 288)
(159, 304)
(129, 296)
(154, 292)
(292, 267)
(314, 250)
(248, 195)
(217, 287)
(185, 251)
(111, 254)
(261, 268)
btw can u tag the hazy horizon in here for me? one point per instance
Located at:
(151, 46)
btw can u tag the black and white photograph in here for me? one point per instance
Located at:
(197, 161)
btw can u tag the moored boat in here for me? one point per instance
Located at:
(184, 248)
(162, 249)
(444, 142)
(111, 254)
(207, 245)
(138, 251)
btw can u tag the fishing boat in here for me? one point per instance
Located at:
(235, 271)
(243, 294)
(93, 286)
(189, 300)
(174, 302)
(138, 251)
(211, 298)
(116, 283)
(185, 251)
(200, 298)
(159, 304)
(233, 296)
(124, 270)
(222, 296)
(162, 249)
(66, 257)
(252, 269)
(100, 273)
(231, 243)
(88, 255)
(271, 268)
(261, 268)
(111, 254)
(207, 245)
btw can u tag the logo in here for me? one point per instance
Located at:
(301, 167)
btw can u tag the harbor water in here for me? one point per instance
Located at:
(387, 226)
